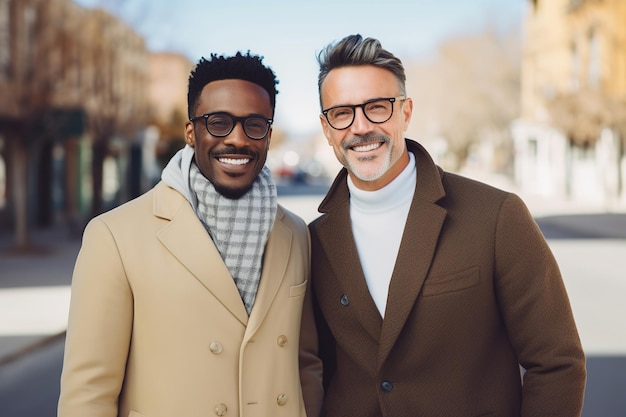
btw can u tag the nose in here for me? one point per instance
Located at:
(237, 137)
(360, 123)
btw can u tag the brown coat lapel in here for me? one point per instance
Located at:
(417, 249)
(414, 258)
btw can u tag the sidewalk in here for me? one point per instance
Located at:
(34, 289)
(35, 285)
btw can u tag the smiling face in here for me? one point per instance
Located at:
(374, 154)
(231, 163)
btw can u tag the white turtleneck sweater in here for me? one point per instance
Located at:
(378, 219)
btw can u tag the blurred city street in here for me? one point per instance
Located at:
(526, 95)
(589, 243)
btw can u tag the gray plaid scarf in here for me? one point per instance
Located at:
(239, 228)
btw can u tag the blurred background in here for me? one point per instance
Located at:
(527, 95)
(93, 92)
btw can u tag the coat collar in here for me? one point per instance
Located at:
(185, 237)
(415, 255)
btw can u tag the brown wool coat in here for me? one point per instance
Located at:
(475, 293)
(156, 319)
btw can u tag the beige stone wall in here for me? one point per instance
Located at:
(571, 45)
(169, 74)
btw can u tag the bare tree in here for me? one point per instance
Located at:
(114, 105)
(38, 67)
(582, 115)
(469, 91)
(63, 67)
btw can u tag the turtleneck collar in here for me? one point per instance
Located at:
(397, 192)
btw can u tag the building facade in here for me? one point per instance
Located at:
(570, 137)
(73, 83)
(169, 75)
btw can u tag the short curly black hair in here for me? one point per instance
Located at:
(246, 67)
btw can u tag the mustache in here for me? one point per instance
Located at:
(231, 150)
(364, 139)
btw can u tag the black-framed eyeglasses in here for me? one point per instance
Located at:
(220, 124)
(377, 110)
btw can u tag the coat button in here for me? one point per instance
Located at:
(282, 340)
(221, 409)
(386, 386)
(215, 347)
(281, 399)
(344, 300)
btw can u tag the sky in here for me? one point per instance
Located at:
(289, 34)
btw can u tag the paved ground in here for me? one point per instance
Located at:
(34, 289)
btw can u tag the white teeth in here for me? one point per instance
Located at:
(234, 161)
(368, 147)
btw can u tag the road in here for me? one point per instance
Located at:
(29, 386)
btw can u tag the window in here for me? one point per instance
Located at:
(594, 59)
(574, 68)
(3, 177)
(5, 39)
(30, 16)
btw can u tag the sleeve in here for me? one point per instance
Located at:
(537, 314)
(310, 362)
(99, 328)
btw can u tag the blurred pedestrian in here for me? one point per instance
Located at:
(187, 300)
(431, 290)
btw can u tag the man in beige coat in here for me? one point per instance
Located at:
(187, 301)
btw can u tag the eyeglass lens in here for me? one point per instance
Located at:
(377, 111)
(221, 124)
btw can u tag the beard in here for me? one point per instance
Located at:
(367, 167)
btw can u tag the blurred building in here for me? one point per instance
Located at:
(570, 138)
(73, 83)
(169, 75)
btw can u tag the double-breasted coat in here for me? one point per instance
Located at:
(475, 294)
(157, 327)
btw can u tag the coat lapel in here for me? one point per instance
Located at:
(185, 237)
(275, 259)
(337, 240)
(417, 249)
(412, 264)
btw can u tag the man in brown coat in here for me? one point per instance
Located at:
(435, 295)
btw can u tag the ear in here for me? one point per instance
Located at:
(407, 112)
(190, 137)
(269, 137)
(325, 128)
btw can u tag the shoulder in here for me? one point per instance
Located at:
(456, 185)
(160, 202)
(291, 220)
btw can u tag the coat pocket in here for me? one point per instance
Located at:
(297, 290)
(448, 283)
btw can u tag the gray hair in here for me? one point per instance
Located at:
(353, 50)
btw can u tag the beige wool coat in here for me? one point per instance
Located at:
(157, 327)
